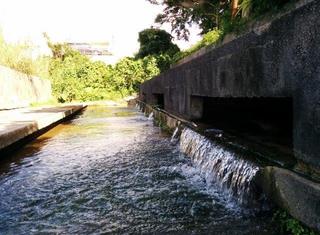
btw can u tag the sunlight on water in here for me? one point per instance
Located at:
(221, 168)
(111, 171)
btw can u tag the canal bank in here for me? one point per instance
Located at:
(109, 170)
(19, 126)
(228, 161)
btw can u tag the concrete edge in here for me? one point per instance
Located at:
(170, 121)
(299, 196)
(296, 194)
(25, 134)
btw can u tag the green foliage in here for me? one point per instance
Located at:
(19, 57)
(210, 38)
(289, 225)
(157, 45)
(211, 14)
(129, 73)
(75, 77)
(164, 61)
(51, 102)
(155, 42)
(260, 7)
(181, 13)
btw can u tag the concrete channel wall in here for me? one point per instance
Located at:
(19, 90)
(276, 59)
(296, 194)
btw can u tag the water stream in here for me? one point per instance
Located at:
(223, 168)
(110, 170)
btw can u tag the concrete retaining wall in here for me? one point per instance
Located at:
(277, 59)
(19, 90)
(298, 195)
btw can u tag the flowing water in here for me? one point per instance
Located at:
(110, 170)
(222, 168)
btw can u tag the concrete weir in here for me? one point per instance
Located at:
(266, 82)
(18, 126)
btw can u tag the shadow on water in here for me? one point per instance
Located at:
(17, 157)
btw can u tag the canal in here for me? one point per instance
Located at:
(110, 170)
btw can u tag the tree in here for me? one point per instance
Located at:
(129, 73)
(183, 13)
(211, 14)
(155, 42)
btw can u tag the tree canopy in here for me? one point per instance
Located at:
(155, 42)
(75, 77)
(210, 14)
(181, 14)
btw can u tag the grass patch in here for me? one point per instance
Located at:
(288, 225)
(19, 57)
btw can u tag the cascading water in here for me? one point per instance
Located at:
(221, 167)
(175, 136)
(109, 171)
(150, 117)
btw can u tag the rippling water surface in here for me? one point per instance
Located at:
(111, 171)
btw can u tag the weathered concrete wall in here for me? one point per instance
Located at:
(298, 195)
(19, 90)
(278, 59)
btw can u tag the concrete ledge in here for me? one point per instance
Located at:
(18, 124)
(280, 60)
(297, 195)
(163, 118)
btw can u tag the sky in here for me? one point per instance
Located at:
(115, 21)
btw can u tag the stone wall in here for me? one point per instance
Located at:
(19, 90)
(279, 59)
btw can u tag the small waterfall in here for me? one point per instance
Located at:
(150, 116)
(175, 136)
(221, 167)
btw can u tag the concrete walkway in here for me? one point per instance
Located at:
(17, 124)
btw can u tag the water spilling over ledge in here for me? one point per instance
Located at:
(257, 176)
(110, 170)
(221, 167)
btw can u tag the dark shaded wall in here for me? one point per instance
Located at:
(278, 59)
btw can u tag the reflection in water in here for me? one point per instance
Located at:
(111, 171)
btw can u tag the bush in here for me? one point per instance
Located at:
(75, 77)
(129, 73)
(210, 38)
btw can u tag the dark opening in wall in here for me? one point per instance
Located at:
(159, 100)
(268, 120)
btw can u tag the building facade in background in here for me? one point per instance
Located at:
(97, 51)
